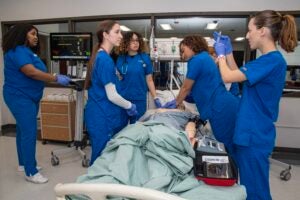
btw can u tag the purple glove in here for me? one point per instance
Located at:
(220, 49)
(157, 103)
(224, 39)
(132, 110)
(170, 104)
(62, 79)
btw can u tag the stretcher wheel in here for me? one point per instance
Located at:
(285, 175)
(85, 162)
(54, 160)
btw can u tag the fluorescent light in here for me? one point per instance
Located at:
(166, 27)
(211, 26)
(239, 39)
(125, 28)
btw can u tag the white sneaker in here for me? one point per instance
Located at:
(21, 168)
(37, 178)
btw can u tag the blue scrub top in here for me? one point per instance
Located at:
(103, 73)
(134, 70)
(17, 81)
(207, 81)
(234, 89)
(260, 100)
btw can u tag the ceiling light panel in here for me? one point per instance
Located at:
(125, 28)
(166, 27)
(211, 26)
(239, 39)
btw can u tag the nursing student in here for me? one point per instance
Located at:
(25, 75)
(135, 73)
(204, 83)
(103, 111)
(263, 82)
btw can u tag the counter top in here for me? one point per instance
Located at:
(291, 89)
(291, 93)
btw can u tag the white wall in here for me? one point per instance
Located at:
(32, 9)
(12, 10)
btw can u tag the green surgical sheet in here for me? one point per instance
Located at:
(154, 155)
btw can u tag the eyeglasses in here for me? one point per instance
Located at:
(132, 41)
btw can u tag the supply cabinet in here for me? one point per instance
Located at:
(57, 120)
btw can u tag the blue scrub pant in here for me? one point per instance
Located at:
(141, 108)
(223, 119)
(25, 112)
(100, 129)
(253, 164)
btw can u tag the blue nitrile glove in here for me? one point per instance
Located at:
(220, 49)
(170, 104)
(189, 98)
(132, 110)
(157, 103)
(62, 79)
(224, 39)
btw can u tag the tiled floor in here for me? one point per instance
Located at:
(14, 187)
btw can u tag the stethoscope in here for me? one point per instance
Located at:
(124, 66)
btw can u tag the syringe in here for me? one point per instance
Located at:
(219, 35)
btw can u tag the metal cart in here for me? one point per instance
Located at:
(80, 142)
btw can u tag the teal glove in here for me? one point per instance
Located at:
(224, 39)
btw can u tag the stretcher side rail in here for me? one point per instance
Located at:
(100, 191)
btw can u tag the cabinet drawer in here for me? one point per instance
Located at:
(59, 108)
(55, 120)
(57, 133)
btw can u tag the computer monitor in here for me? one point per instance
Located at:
(70, 46)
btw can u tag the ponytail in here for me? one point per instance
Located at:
(288, 36)
(90, 65)
(282, 27)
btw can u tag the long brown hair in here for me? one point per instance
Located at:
(283, 28)
(104, 27)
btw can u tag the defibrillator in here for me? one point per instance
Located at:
(212, 164)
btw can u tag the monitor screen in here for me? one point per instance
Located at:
(70, 46)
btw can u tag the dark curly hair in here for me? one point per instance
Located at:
(123, 49)
(17, 35)
(196, 43)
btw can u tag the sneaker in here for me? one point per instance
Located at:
(21, 168)
(37, 178)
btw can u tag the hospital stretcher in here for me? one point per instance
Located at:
(79, 141)
(106, 167)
